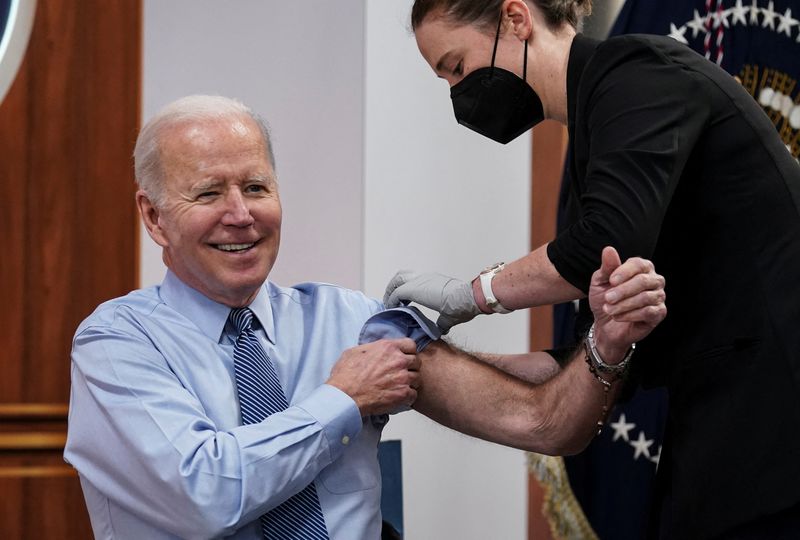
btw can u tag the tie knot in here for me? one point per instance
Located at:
(242, 319)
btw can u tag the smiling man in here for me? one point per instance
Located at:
(218, 218)
(192, 418)
(221, 404)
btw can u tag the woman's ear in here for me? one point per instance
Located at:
(518, 18)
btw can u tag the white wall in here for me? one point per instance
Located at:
(439, 197)
(375, 175)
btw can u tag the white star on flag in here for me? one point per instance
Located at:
(769, 15)
(721, 17)
(641, 446)
(677, 33)
(787, 22)
(738, 11)
(698, 24)
(754, 13)
(621, 428)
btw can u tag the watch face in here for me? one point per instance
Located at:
(16, 21)
(497, 266)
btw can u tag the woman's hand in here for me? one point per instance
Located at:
(627, 301)
(451, 297)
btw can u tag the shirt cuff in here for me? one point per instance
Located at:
(395, 323)
(338, 415)
(400, 322)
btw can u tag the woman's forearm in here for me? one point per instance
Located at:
(529, 281)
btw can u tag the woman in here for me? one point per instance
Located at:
(670, 159)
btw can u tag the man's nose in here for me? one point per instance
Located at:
(237, 212)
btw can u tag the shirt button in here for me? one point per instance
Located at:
(345, 440)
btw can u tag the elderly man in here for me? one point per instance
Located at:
(220, 404)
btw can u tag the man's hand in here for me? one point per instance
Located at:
(451, 297)
(380, 376)
(627, 301)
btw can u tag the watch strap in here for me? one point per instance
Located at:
(486, 278)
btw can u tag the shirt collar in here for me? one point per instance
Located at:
(210, 316)
(580, 52)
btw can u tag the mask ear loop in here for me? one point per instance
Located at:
(525, 61)
(496, 38)
(524, 53)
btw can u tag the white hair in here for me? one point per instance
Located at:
(147, 154)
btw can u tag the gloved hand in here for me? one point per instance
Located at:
(451, 297)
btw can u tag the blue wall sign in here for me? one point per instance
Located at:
(16, 21)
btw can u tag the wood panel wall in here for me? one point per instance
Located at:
(549, 148)
(69, 228)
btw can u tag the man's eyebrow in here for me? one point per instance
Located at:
(204, 185)
(266, 179)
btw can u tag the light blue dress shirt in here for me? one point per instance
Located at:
(400, 322)
(154, 426)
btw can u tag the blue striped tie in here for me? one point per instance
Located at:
(260, 395)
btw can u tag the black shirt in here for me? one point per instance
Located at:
(672, 160)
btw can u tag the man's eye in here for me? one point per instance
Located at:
(255, 188)
(206, 194)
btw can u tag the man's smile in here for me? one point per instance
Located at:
(234, 247)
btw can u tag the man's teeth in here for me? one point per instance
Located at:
(235, 247)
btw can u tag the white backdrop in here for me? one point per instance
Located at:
(300, 65)
(439, 197)
(375, 175)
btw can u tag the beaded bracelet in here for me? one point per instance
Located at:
(617, 370)
(606, 387)
(596, 365)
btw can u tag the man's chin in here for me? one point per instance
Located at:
(247, 284)
(238, 296)
(237, 292)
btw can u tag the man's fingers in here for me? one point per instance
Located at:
(650, 315)
(414, 363)
(631, 268)
(643, 299)
(609, 261)
(634, 286)
(406, 345)
(411, 397)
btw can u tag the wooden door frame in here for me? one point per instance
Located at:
(549, 140)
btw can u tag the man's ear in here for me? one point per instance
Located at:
(518, 18)
(150, 216)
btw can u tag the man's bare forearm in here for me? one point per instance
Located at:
(558, 416)
(534, 368)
